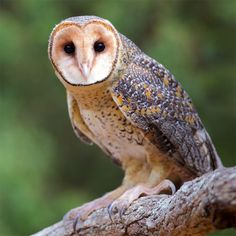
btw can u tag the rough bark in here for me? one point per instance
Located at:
(200, 206)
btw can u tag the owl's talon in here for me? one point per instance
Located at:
(73, 217)
(111, 212)
(114, 209)
(121, 204)
(80, 214)
(77, 219)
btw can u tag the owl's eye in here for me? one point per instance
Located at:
(99, 46)
(69, 48)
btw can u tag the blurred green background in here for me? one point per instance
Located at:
(44, 169)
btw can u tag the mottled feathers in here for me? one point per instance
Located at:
(153, 100)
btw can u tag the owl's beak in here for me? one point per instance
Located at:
(85, 70)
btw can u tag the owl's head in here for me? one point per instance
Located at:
(84, 50)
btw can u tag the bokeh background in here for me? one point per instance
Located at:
(44, 169)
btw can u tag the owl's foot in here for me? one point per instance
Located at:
(120, 205)
(79, 214)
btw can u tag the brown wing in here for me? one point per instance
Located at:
(151, 98)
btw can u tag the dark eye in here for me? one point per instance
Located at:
(99, 46)
(69, 48)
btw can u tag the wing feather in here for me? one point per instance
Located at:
(151, 98)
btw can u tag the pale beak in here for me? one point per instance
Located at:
(85, 70)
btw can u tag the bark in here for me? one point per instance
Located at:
(200, 206)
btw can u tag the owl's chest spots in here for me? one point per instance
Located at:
(110, 127)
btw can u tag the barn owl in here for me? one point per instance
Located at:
(132, 107)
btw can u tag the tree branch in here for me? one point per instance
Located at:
(200, 206)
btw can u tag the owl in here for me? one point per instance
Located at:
(132, 107)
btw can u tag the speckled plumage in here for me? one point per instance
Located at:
(153, 100)
(139, 115)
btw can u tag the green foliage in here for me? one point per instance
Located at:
(44, 169)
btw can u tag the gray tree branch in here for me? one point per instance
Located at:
(200, 206)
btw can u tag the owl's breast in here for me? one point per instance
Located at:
(111, 129)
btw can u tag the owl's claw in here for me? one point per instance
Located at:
(74, 216)
(80, 214)
(117, 207)
(120, 205)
